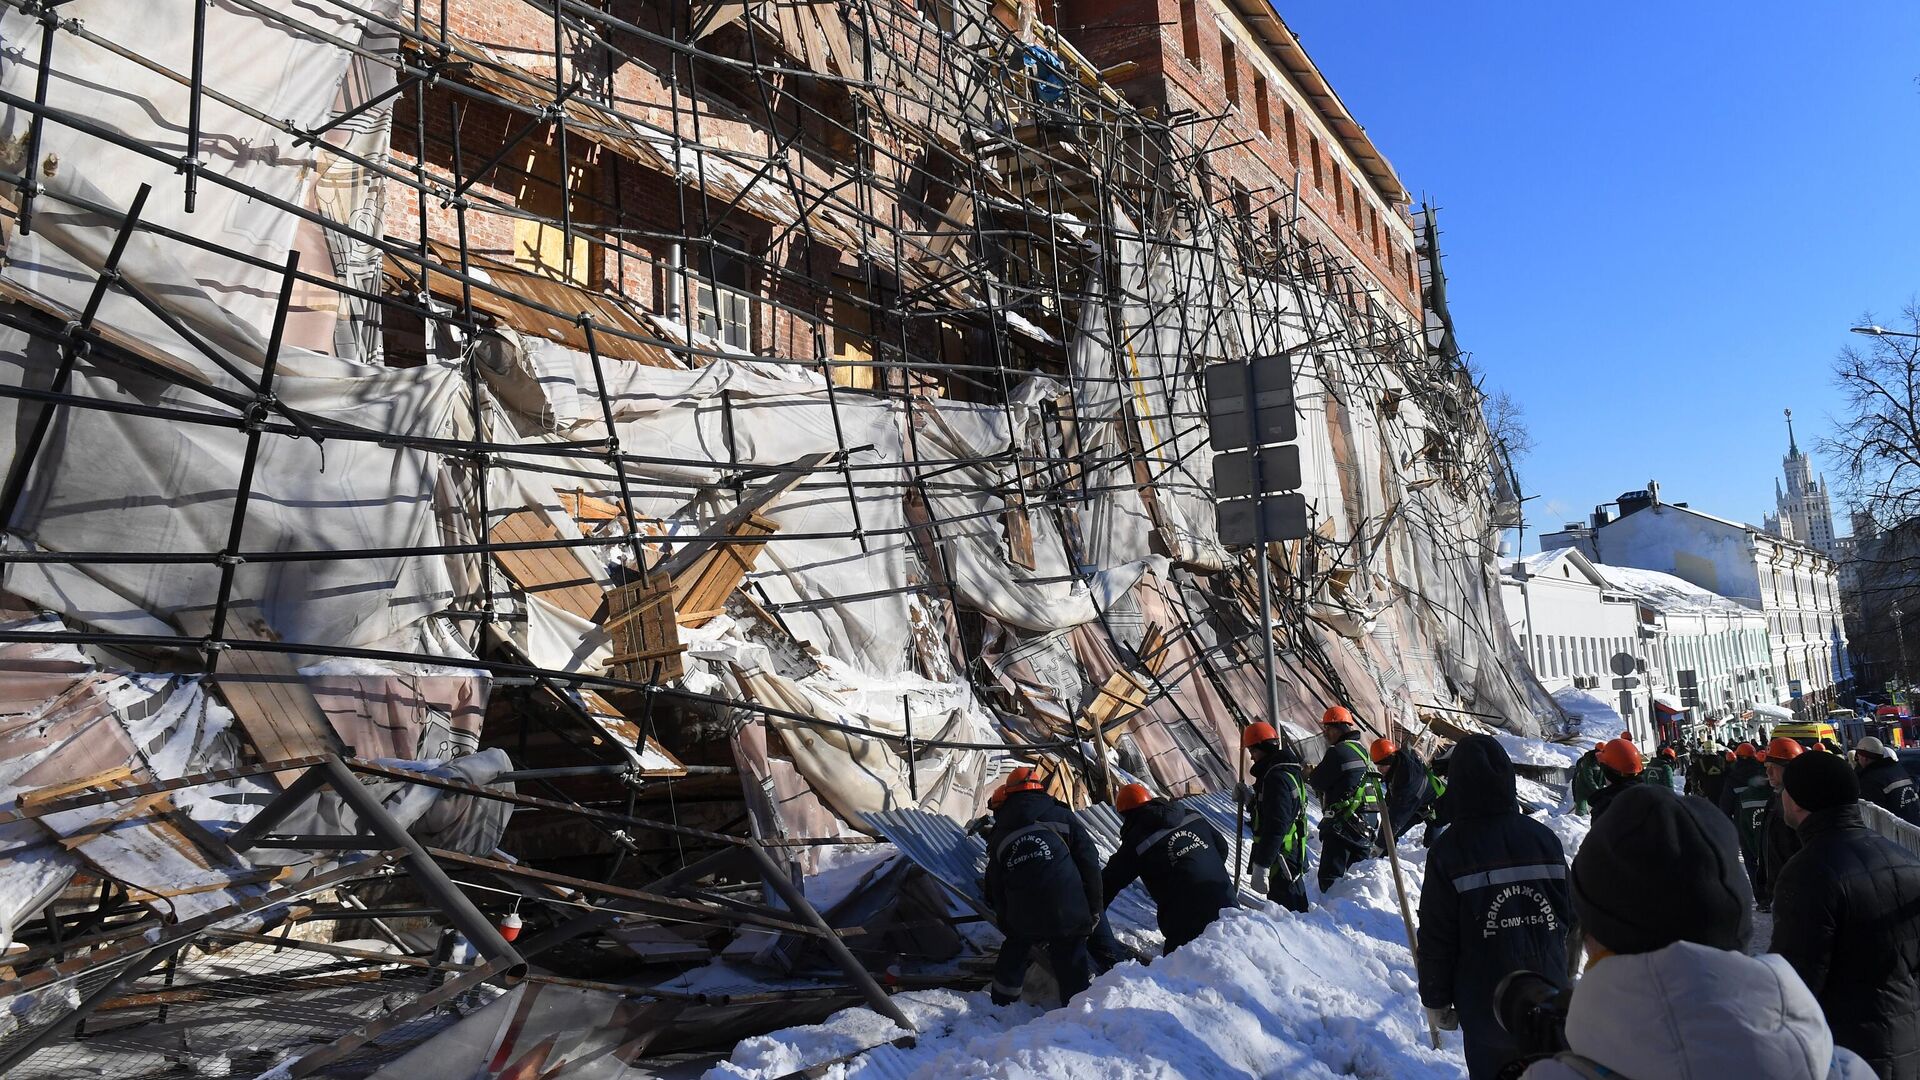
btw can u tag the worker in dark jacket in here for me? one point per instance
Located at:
(1588, 779)
(1846, 915)
(1495, 902)
(1745, 766)
(1043, 883)
(1885, 782)
(1620, 763)
(1179, 858)
(1778, 840)
(1413, 792)
(1659, 771)
(1278, 860)
(1749, 802)
(1707, 775)
(1351, 798)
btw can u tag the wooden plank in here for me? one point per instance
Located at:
(644, 636)
(264, 689)
(1019, 537)
(548, 573)
(108, 778)
(777, 485)
(701, 592)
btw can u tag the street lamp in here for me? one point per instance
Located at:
(1880, 331)
(1900, 632)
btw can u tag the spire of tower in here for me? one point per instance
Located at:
(1793, 448)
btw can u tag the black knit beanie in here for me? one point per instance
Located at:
(1659, 868)
(1821, 781)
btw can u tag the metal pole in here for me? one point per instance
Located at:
(797, 902)
(913, 779)
(1406, 912)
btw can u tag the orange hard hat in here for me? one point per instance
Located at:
(1258, 732)
(1745, 749)
(1131, 797)
(999, 796)
(1783, 749)
(1622, 757)
(1337, 715)
(1729, 755)
(1667, 752)
(1382, 748)
(1627, 735)
(1023, 779)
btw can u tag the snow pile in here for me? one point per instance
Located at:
(1596, 717)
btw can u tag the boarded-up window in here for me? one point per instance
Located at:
(852, 333)
(552, 243)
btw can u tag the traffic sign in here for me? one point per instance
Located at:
(1285, 517)
(1250, 402)
(1626, 682)
(1233, 472)
(1622, 663)
(1793, 689)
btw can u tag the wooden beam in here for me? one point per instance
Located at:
(265, 691)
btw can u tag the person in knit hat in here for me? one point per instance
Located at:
(1846, 915)
(1669, 990)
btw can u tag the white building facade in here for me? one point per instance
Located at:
(1711, 655)
(1793, 586)
(1571, 623)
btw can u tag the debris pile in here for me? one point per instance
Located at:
(518, 499)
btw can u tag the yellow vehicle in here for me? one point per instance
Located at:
(1809, 734)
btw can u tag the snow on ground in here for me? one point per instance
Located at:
(1262, 993)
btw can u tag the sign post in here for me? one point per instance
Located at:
(1249, 409)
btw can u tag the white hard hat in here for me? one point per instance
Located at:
(1872, 745)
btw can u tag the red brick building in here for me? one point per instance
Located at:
(1239, 77)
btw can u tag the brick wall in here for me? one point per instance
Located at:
(1183, 54)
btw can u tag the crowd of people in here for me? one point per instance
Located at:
(1659, 902)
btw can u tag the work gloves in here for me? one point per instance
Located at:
(1445, 1019)
(1259, 879)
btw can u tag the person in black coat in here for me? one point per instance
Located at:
(1846, 915)
(1621, 764)
(1413, 792)
(1495, 902)
(1278, 861)
(1180, 858)
(1351, 798)
(1746, 766)
(1043, 883)
(1885, 782)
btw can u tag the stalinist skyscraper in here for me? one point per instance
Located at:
(1802, 512)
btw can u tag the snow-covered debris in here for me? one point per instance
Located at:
(1261, 993)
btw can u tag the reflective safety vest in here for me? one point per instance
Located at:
(1370, 796)
(1294, 843)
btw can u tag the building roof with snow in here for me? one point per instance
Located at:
(1666, 593)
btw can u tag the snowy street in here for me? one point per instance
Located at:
(1261, 993)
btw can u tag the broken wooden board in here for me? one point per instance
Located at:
(644, 635)
(1125, 692)
(552, 574)
(264, 689)
(700, 592)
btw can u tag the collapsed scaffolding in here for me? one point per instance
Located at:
(365, 425)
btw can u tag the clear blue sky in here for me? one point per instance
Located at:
(1658, 220)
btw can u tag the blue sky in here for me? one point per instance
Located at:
(1658, 220)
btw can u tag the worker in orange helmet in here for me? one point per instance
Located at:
(1774, 840)
(1659, 771)
(1413, 791)
(1745, 770)
(1352, 798)
(1621, 764)
(1278, 798)
(1043, 884)
(1180, 859)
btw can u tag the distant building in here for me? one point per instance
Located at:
(1792, 584)
(1571, 624)
(1696, 655)
(1803, 511)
